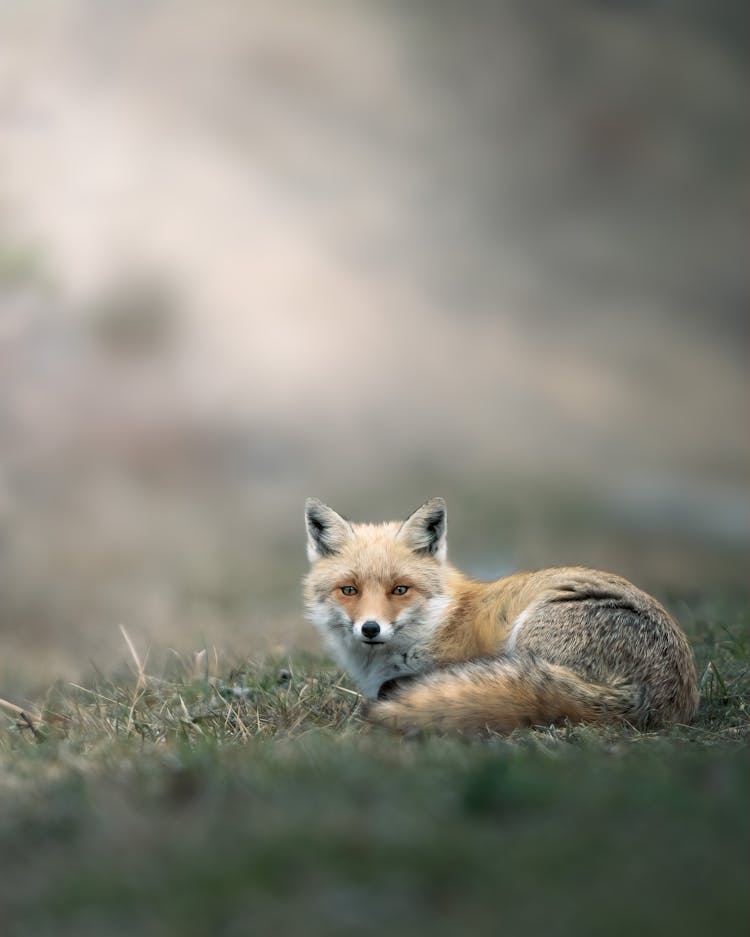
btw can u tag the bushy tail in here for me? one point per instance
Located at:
(502, 694)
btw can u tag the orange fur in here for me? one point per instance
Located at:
(502, 694)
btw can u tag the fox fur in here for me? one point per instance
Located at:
(435, 649)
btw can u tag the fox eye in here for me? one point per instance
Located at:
(400, 590)
(349, 590)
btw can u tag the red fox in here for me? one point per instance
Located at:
(434, 649)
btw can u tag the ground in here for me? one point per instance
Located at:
(190, 796)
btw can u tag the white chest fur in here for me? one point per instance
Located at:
(371, 666)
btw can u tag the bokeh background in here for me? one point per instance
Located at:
(255, 251)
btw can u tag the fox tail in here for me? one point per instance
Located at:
(503, 694)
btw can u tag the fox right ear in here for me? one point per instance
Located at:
(327, 531)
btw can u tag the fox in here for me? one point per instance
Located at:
(430, 648)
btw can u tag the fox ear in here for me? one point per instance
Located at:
(327, 531)
(426, 529)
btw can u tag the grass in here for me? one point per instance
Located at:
(192, 797)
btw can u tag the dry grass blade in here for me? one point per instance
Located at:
(25, 718)
(6, 704)
(85, 689)
(133, 652)
(140, 679)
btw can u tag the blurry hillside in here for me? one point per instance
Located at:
(371, 252)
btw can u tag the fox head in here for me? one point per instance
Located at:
(375, 588)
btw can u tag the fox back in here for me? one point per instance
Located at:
(532, 648)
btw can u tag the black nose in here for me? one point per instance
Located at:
(371, 629)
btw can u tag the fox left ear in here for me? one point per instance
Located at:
(426, 529)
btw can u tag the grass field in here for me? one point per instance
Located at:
(190, 796)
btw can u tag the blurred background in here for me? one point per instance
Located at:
(255, 251)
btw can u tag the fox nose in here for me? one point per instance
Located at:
(371, 629)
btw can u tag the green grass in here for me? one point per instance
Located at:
(191, 798)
